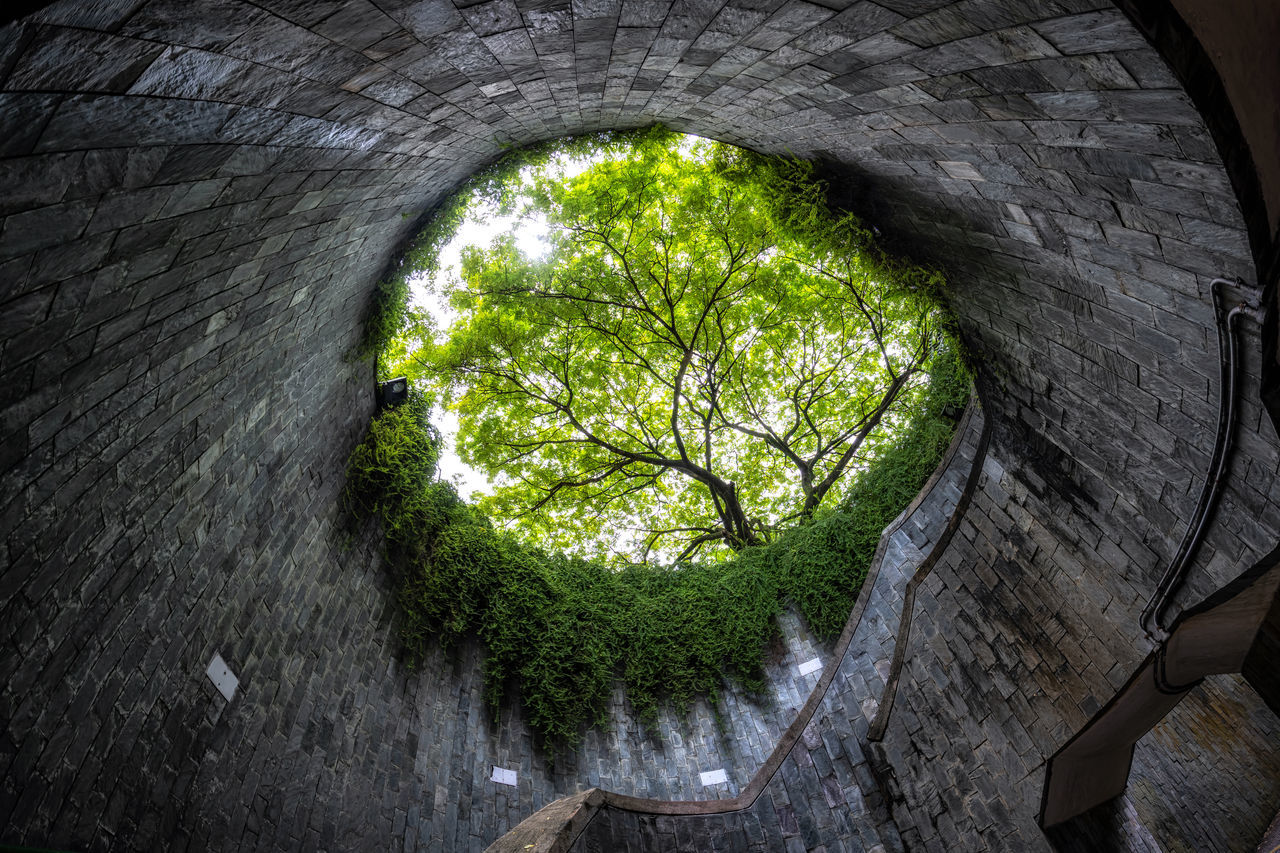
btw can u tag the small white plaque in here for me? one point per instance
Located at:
(811, 666)
(713, 777)
(503, 776)
(960, 169)
(222, 677)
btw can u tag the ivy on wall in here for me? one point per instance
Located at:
(388, 311)
(561, 630)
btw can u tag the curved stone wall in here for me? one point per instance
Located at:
(197, 199)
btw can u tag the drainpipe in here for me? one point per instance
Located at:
(1247, 303)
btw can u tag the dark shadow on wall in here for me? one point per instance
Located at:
(1169, 34)
(16, 9)
(1112, 827)
(1049, 469)
(1165, 29)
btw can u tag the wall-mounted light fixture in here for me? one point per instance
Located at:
(393, 392)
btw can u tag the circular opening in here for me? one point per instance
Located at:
(700, 400)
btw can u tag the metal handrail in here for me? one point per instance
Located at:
(1152, 620)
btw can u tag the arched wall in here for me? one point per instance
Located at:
(197, 200)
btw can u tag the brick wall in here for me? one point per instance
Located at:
(196, 202)
(1009, 655)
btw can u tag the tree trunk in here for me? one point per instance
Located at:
(737, 528)
(813, 498)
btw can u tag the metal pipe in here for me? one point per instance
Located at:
(1153, 622)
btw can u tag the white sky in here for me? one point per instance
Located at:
(479, 228)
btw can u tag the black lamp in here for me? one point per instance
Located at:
(393, 392)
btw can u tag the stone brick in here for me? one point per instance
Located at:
(189, 192)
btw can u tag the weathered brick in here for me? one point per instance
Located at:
(182, 274)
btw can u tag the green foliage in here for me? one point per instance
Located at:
(563, 630)
(384, 319)
(850, 535)
(795, 199)
(704, 353)
(389, 319)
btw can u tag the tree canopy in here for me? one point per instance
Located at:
(701, 358)
(701, 362)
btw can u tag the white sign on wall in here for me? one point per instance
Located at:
(811, 666)
(222, 677)
(713, 777)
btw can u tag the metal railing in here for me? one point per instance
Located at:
(1247, 303)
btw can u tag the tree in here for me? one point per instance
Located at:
(702, 356)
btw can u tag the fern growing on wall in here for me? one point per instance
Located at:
(562, 630)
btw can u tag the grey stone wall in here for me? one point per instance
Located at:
(1005, 662)
(1012, 657)
(735, 734)
(196, 201)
